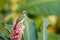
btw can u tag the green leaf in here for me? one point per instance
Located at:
(8, 27)
(4, 30)
(41, 7)
(4, 37)
(30, 30)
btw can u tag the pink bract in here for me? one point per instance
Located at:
(17, 33)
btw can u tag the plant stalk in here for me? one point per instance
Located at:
(44, 29)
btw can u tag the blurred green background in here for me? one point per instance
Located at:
(37, 9)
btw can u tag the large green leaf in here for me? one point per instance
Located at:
(41, 7)
(4, 37)
(30, 30)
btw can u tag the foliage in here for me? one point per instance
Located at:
(36, 9)
(41, 7)
(30, 30)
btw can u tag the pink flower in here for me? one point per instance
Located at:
(17, 32)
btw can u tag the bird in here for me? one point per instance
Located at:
(20, 19)
(18, 27)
